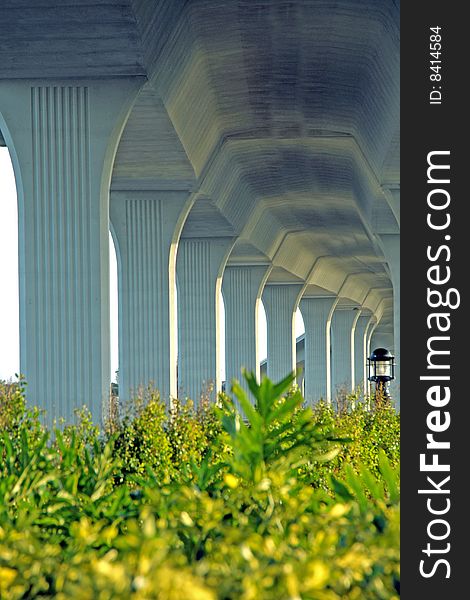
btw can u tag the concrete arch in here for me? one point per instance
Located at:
(277, 130)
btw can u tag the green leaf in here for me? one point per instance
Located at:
(390, 476)
(286, 408)
(252, 415)
(284, 385)
(340, 489)
(326, 456)
(356, 485)
(371, 483)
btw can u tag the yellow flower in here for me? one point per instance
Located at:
(318, 573)
(231, 480)
(339, 510)
(186, 519)
(7, 576)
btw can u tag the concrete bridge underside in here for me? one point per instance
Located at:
(249, 149)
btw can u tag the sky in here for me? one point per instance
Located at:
(9, 302)
(9, 319)
(9, 314)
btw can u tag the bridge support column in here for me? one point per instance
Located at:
(62, 138)
(280, 302)
(369, 333)
(242, 287)
(146, 227)
(360, 352)
(200, 266)
(317, 313)
(343, 325)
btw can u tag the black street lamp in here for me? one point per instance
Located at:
(381, 369)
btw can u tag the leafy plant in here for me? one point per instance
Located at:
(141, 441)
(275, 429)
(237, 514)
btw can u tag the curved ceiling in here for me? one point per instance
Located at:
(282, 117)
(288, 113)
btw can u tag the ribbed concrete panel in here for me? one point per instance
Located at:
(360, 348)
(279, 70)
(316, 313)
(343, 325)
(200, 265)
(242, 287)
(79, 38)
(280, 303)
(145, 225)
(150, 155)
(62, 139)
(155, 20)
(63, 233)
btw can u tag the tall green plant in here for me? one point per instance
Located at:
(275, 429)
(140, 440)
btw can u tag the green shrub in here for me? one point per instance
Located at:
(245, 521)
(15, 416)
(276, 430)
(141, 441)
(186, 436)
(84, 432)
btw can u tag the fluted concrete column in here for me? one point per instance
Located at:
(63, 137)
(280, 303)
(360, 349)
(343, 326)
(391, 246)
(200, 265)
(146, 227)
(242, 287)
(317, 313)
(369, 333)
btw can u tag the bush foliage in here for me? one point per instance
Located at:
(273, 501)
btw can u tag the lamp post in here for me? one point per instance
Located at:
(381, 370)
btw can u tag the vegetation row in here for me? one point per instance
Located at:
(253, 498)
